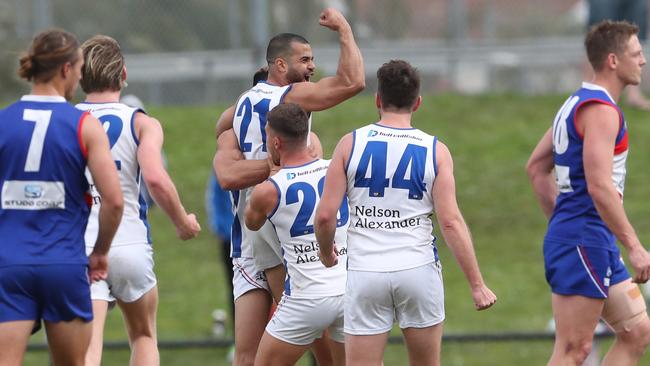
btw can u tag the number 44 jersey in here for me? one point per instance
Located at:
(575, 220)
(117, 119)
(390, 176)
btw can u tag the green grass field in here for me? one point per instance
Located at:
(490, 138)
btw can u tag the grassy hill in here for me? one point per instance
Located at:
(490, 138)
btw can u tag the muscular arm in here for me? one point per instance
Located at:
(262, 202)
(333, 192)
(350, 74)
(155, 176)
(455, 230)
(598, 154)
(102, 168)
(224, 122)
(233, 172)
(540, 172)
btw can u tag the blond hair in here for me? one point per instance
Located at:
(103, 65)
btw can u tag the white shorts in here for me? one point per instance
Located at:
(267, 251)
(246, 277)
(415, 297)
(130, 274)
(301, 321)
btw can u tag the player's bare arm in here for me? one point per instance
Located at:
(232, 170)
(540, 172)
(104, 173)
(455, 230)
(333, 193)
(598, 153)
(155, 176)
(350, 74)
(263, 200)
(224, 122)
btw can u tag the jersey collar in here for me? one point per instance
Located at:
(592, 86)
(42, 98)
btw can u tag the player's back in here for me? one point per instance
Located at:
(45, 205)
(390, 176)
(299, 189)
(118, 122)
(575, 219)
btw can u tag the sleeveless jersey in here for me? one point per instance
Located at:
(44, 206)
(248, 124)
(575, 220)
(117, 119)
(299, 189)
(390, 175)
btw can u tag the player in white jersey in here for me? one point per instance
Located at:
(313, 295)
(136, 141)
(395, 177)
(291, 64)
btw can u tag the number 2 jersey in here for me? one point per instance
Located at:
(575, 220)
(117, 119)
(390, 175)
(299, 189)
(248, 124)
(45, 205)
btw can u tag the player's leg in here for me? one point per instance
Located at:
(322, 350)
(625, 312)
(423, 344)
(418, 294)
(275, 352)
(133, 284)
(68, 341)
(252, 306)
(368, 317)
(67, 312)
(337, 353)
(576, 318)
(94, 353)
(365, 350)
(275, 277)
(140, 320)
(14, 336)
(18, 303)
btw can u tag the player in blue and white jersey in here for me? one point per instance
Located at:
(241, 162)
(395, 176)
(578, 174)
(136, 141)
(45, 146)
(313, 295)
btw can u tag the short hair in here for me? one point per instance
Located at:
(398, 84)
(260, 75)
(48, 51)
(280, 46)
(289, 121)
(607, 37)
(104, 62)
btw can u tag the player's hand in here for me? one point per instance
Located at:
(483, 297)
(190, 228)
(329, 259)
(332, 19)
(97, 267)
(640, 261)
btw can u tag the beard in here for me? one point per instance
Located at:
(294, 76)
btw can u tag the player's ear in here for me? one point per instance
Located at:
(612, 61)
(124, 73)
(281, 64)
(417, 103)
(377, 101)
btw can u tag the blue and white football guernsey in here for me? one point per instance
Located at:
(44, 203)
(118, 119)
(390, 175)
(299, 189)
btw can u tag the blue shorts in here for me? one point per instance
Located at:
(580, 270)
(54, 293)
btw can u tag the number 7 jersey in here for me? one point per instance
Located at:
(390, 176)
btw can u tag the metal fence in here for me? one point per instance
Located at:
(204, 51)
